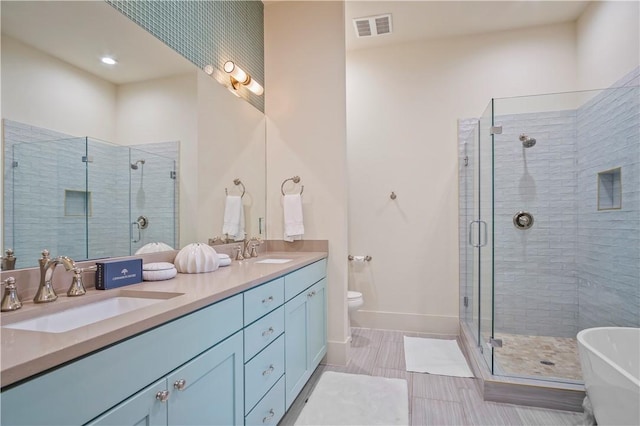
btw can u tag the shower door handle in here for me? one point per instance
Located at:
(482, 222)
(483, 241)
(134, 226)
(471, 243)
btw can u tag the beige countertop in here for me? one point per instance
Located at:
(25, 353)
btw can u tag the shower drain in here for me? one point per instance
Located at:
(545, 362)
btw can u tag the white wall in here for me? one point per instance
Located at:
(306, 135)
(43, 91)
(403, 103)
(231, 135)
(162, 110)
(608, 42)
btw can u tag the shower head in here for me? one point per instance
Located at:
(527, 142)
(134, 166)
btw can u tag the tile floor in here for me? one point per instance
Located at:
(434, 400)
(520, 355)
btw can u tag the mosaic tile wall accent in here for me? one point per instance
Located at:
(50, 164)
(608, 256)
(207, 32)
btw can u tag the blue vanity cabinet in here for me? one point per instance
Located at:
(208, 390)
(240, 360)
(305, 326)
(79, 391)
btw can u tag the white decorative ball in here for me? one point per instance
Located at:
(195, 258)
(154, 248)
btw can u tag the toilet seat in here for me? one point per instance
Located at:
(353, 295)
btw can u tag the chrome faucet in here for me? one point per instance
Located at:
(46, 292)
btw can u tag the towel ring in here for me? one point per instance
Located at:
(237, 182)
(295, 179)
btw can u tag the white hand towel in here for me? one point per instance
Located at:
(293, 221)
(234, 218)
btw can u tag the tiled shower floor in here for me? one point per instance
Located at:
(521, 355)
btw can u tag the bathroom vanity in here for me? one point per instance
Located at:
(234, 346)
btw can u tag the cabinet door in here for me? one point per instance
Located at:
(295, 325)
(316, 323)
(209, 390)
(144, 408)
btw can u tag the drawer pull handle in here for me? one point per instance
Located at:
(269, 417)
(313, 293)
(268, 299)
(180, 384)
(162, 396)
(268, 370)
(268, 332)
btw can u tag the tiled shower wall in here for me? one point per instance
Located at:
(608, 254)
(578, 266)
(207, 32)
(535, 269)
(49, 164)
(467, 135)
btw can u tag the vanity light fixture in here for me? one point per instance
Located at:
(108, 60)
(238, 77)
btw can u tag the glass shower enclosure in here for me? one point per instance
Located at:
(549, 226)
(83, 198)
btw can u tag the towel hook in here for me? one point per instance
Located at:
(237, 182)
(295, 179)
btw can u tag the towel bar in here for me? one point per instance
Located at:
(236, 182)
(295, 179)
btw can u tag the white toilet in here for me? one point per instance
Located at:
(354, 302)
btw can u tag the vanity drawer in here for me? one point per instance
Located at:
(262, 372)
(299, 280)
(261, 300)
(270, 409)
(262, 332)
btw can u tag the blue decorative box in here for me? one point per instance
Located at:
(118, 273)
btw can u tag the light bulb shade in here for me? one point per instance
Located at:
(236, 72)
(239, 76)
(255, 87)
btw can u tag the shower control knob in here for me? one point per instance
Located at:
(523, 220)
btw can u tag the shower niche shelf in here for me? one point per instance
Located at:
(77, 203)
(610, 189)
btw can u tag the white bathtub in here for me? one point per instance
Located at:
(610, 358)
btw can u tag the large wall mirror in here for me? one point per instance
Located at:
(100, 160)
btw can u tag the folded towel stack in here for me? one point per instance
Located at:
(225, 260)
(293, 220)
(234, 218)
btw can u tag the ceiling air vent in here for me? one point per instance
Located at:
(373, 25)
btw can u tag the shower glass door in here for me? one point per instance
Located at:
(483, 232)
(152, 199)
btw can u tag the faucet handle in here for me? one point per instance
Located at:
(77, 286)
(10, 300)
(239, 255)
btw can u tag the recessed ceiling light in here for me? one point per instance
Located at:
(108, 60)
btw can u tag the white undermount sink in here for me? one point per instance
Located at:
(273, 260)
(90, 313)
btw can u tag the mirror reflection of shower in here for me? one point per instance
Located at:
(134, 166)
(527, 142)
(140, 194)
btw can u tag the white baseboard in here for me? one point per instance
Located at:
(432, 324)
(338, 352)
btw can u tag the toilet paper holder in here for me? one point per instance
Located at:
(366, 258)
